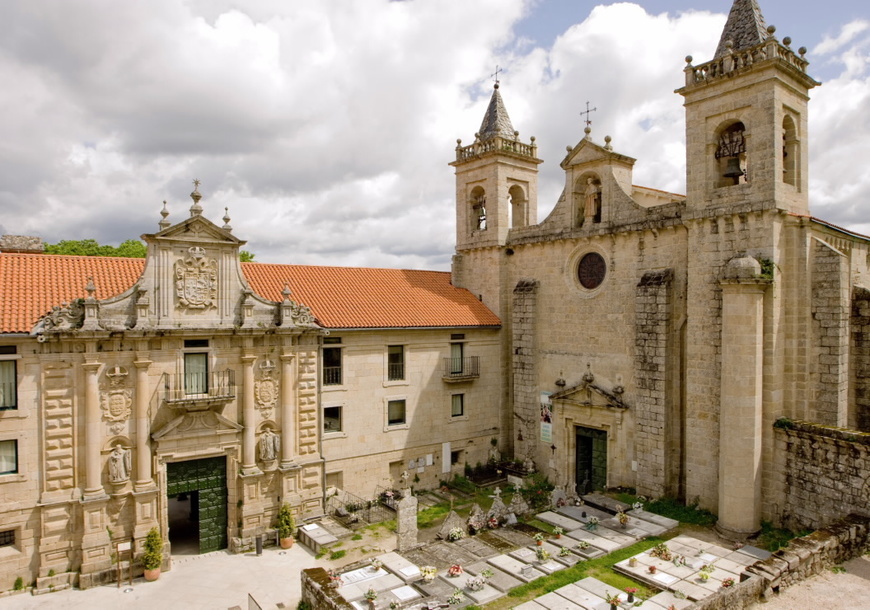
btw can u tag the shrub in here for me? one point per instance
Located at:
(19, 584)
(536, 492)
(153, 556)
(286, 524)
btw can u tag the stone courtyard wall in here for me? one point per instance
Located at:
(825, 471)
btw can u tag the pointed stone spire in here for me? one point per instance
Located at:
(496, 121)
(745, 28)
(196, 209)
(164, 223)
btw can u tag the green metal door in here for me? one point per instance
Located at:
(591, 459)
(208, 477)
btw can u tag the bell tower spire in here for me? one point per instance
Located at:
(746, 119)
(496, 180)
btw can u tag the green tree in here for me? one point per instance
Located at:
(132, 248)
(245, 256)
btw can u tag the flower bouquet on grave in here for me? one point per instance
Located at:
(454, 570)
(661, 551)
(492, 522)
(486, 573)
(592, 524)
(455, 533)
(631, 591)
(727, 583)
(613, 600)
(428, 573)
(705, 572)
(475, 583)
(564, 551)
(582, 545)
(394, 605)
(371, 594)
(334, 579)
(637, 506)
(652, 569)
(376, 565)
(558, 531)
(622, 518)
(542, 554)
(455, 598)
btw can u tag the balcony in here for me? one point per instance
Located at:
(461, 369)
(199, 391)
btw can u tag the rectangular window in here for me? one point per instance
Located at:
(195, 374)
(8, 385)
(455, 456)
(395, 362)
(8, 457)
(331, 366)
(7, 538)
(456, 353)
(457, 407)
(332, 419)
(395, 412)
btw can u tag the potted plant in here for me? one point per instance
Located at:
(592, 523)
(286, 526)
(631, 591)
(613, 600)
(564, 551)
(455, 598)
(727, 583)
(371, 595)
(558, 531)
(539, 539)
(623, 518)
(376, 565)
(152, 558)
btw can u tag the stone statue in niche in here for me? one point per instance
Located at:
(592, 202)
(119, 464)
(270, 445)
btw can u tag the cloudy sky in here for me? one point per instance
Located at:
(326, 126)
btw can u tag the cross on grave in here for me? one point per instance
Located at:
(587, 112)
(496, 494)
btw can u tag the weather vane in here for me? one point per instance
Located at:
(494, 75)
(587, 112)
(196, 183)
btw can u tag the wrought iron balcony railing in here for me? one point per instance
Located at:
(202, 388)
(461, 369)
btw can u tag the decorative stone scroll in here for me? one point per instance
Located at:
(196, 280)
(65, 317)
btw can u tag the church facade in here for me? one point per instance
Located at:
(652, 340)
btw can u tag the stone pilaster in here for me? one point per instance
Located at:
(288, 410)
(144, 478)
(740, 410)
(93, 433)
(249, 448)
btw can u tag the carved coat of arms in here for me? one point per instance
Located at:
(196, 280)
(117, 401)
(266, 389)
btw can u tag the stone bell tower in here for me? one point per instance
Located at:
(746, 119)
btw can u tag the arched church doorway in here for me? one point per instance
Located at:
(591, 459)
(197, 501)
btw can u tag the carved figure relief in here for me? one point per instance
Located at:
(269, 445)
(196, 280)
(119, 464)
(117, 400)
(266, 389)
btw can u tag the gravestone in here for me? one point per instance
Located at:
(476, 518)
(453, 520)
(518, 505)
(406, 530)
(497, 510)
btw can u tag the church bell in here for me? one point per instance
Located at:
(732, 170)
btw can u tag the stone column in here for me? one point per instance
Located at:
(740, 410)
(143, 425)
(93, 435)
(406, 522)
(288, 410)
(249, 448)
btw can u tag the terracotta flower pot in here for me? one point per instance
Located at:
(539, 542)
(286, 543)
(152, 575)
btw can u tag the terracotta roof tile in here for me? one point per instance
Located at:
(339, 297)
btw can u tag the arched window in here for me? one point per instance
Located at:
(519, 206)
(587, 198)
(477, 202)
(731, 161)
(790, 152)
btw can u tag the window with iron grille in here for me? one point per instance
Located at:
(7, 538)
(331, 366)
(395, 362)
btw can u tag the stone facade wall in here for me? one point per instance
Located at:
(830, 312)
(317, 594)
(826, 474)
(860, 356)
(653, 317)
(525, 378)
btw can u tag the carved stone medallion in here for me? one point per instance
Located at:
(196, 280)
(117, 401)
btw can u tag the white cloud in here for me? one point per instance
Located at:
(325, 126)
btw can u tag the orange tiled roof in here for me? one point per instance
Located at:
(357, 297)
(339, 297)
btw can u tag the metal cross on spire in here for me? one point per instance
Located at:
(587, 112)
(196, 183)
(494, 75)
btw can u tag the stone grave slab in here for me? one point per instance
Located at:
(525, 554)
(594, 539)
(718, 551)
(666, 599)
(485, 595)
(405, 593)
(554, 601)
(692, 590)
(649, 517)
(754, 552)
(558, 520)
(549, 566)
(511, 536)
(741, 559)
(614, 536)
(502, 581)
(693, 543)
(614, 524)
(420, 557)
(515, 568)
(435, 588)
(605, 503)
(476, 547)
(315, 537)
(447, 553)
(596, 587)
(652, 529)
(390, 581)
(579, 596)
(400, 566)
(577, 512)
(730, 566)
